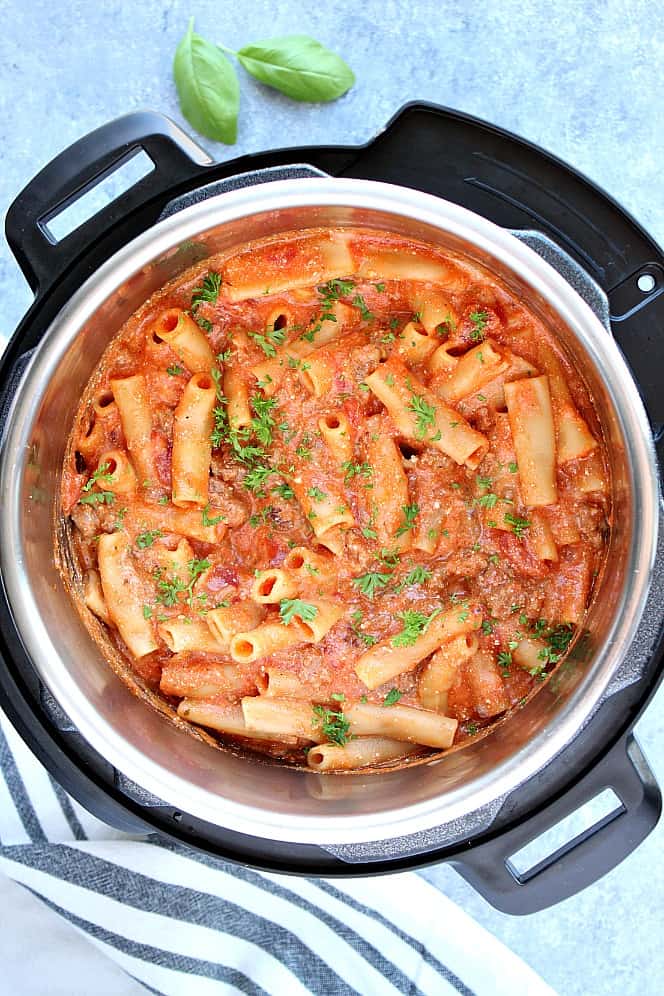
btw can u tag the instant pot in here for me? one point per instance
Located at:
(579, 261)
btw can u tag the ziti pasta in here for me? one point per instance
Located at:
(336, 496)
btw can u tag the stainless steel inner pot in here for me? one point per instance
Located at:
(245, 794)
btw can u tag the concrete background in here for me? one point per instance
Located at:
(583, 79)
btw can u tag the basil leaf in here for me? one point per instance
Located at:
(298, 66)
(207, 86)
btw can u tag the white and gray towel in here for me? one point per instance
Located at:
(180, 922)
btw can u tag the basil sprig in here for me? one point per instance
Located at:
(207, 85)
(298, 66)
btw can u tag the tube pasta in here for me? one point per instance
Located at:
(416, 344)
(93, 596)
(389, 496)
(385, 661)
(271, 585)
(120, 477)
(441, 427)
(123, 594)
(202, 679)
(280, 717)
(318, 377)
(531, 420)
(183, 521)
(270, 373)
(399, 722)
(131, 398)
(227, 719)
(275, 682)
(306, 564)
(541, 537)
(439, 674)
(186, 634)
(175, 562)
(192, 448)
(237, 393)
(336, 432)
(104, 405)
(185, 338)
(324, 509)
(435, 310)
(493, 393)
(397, 264)
(442, 360)
(529, 655)
(299, 262)
(226, 621)
(475, 368)
(327, 614)
(359, 753)
(574, 438)
(265, 639)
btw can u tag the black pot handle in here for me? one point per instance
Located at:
(587, 857)
(176, 159)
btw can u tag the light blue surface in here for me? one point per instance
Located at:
(583, 79)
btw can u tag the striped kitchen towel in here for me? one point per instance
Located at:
(180, 922)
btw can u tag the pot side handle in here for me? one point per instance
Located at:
(175, 156)
(584, 859)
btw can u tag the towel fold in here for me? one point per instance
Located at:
(180, 922)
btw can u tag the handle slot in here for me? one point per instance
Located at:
(42, 249)
(80, 207)
(544, 850)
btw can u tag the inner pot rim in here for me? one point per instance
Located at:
(571, 309)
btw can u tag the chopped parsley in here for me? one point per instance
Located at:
(370, 582)
(410, 513)
(414, 624)
(390, 557)
(147, 612)
(97, 498)
(512, 467)
(146, 539)
(256, 477)
(505, 662)
(418, 575)
(267, 342)
(479, 321)
(518, 524)
(207, 291)
(352, 470)
(488, 500)
(472, 729)
(175, 370)
(426, 414)
(334, 725)
(170, 588)
(487, 627)
(355, 620)
(263, 421)
(289, 607)
(392, 697)
(284, 491)
(316, 494)
(359, 302)
(209, 520)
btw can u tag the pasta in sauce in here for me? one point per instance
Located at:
(337, 497)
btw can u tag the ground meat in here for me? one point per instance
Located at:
(86, 520)
(223, 471)
(222, 497)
